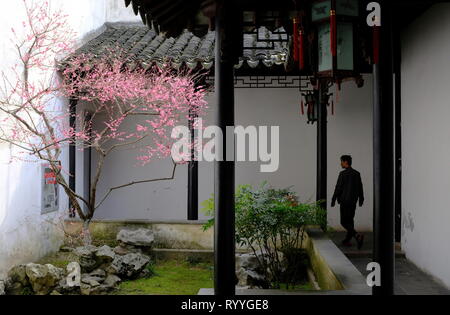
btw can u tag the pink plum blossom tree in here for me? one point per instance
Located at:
(34, 122)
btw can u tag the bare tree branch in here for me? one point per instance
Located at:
(137, 183)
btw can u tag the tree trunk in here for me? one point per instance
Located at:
(87, 239)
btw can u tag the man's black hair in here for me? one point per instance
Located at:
(348, 159)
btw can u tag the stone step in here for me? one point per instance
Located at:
(194, 255)
(367, 253)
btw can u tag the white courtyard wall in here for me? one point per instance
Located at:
(426, 146)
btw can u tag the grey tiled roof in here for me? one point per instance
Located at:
(144, 47)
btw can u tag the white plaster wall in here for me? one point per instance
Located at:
(350, 132)
(426, 146)
(116, 12)
(25, 234)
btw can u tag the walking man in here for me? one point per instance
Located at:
(349, 190)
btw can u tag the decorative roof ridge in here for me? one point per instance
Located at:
(144, 47)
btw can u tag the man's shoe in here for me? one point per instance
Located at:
(360, 240)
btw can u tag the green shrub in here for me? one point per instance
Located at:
(271, 222)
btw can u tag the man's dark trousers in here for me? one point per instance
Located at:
(348, 210)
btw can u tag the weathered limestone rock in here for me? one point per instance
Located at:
(91, 281)
(2, 288)
(86, 256)
(43, 278)
(97, 286)
(18, 274)
(247, 261)
(91, 257)
(70, 284)
(129, 266)
(248, 272)
(100, 290)
(251, 278)
(68, 288)
(99, 273)
(17, 280)
(85, 250)
(85, 289)
(124, 249)
(104, 255)
(137, 238)
(112, 281)
(74, 274)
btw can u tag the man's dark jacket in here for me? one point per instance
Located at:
(349, 188)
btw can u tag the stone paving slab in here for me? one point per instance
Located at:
(409, 279)
(256, 292)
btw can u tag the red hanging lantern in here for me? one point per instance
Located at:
(333, 32)
(296, 40)
(301, 50)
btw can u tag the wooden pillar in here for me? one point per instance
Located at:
(322, 143)
(72, 149)
(224, 244)
(384, 243)
(192, 177)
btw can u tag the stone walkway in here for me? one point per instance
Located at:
(410, 280)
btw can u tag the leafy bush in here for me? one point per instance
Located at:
(271, 222)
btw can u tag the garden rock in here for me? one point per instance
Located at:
(2, 288)
(74, 272)
(71, 283)
(85, 289)
(87, 258)
(100, 290)
(18, 274)
(66, 289)
(87, 251)
(124, 249)
(112, 281)
(129, 266)
(91, 281)
(137, 238)
(248, 272)
(99, 286)
(104, 255)
(247, 261)
(17, 280)
(99, 273)
(251, 278)
(43, 278)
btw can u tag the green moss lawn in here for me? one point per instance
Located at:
(171, 278)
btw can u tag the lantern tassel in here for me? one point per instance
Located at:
(301, 50)
(303, 108)
(333, 32)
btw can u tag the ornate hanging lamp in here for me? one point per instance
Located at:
(335, 22)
